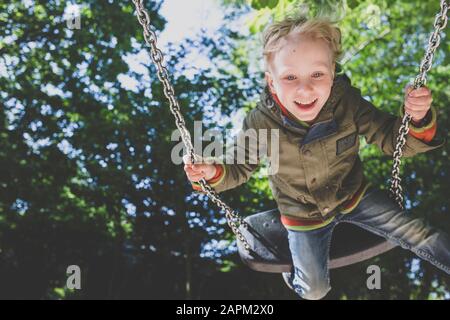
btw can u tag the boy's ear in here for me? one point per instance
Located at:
(269, 81)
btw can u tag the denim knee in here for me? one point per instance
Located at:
(314, 293)
(313, 290)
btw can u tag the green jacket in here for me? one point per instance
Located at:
(319, 166)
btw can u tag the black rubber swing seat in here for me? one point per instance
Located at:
(268, 241)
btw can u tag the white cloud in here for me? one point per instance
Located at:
(187, 18)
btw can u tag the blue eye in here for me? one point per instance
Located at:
(290, 77)
(317, 74)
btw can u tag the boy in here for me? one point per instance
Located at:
(320, 180)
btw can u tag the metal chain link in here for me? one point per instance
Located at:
(233, 219)
(440, 23)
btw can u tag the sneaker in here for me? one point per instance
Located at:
(287, 277)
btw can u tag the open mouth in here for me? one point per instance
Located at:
(305, 106)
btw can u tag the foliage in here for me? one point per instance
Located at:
(85, 170)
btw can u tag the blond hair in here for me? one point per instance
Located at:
(316, 28)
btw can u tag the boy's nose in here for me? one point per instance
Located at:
(304, 87)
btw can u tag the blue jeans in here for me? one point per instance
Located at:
(377, 213)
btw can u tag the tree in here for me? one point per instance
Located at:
(86, 173)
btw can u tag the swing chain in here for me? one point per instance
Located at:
(440, 23)
(233, 219)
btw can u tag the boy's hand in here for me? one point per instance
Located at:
(195, 172)
(417, 102)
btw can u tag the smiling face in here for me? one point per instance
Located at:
(301, 75)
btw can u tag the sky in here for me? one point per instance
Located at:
(186, 18)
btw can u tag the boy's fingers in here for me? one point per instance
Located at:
(415, 113)
(415, 108)
(420, 92)
(188, 169)
(408, 89)
(410, 110)
(199, 167)
(191, 172)
(189, 166)
(418, 107)
(187, 159)
(196, 171)
(410, 107)
(194, 168)
(195, 177)
(422, 100)
(423, 91)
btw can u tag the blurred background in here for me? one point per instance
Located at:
(86, 176)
